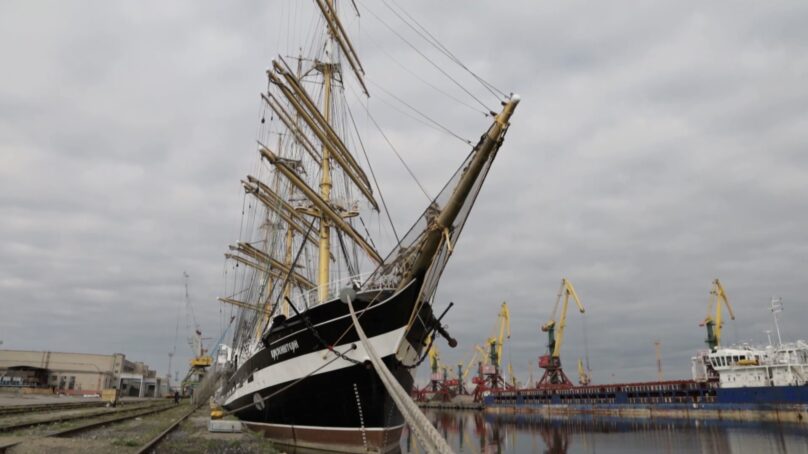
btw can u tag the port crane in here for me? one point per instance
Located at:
(201, 360)
(478, 356)
(477, 351)
(482, 363)
(489, 376)
(583, 376)
(714, 323)
(554, 375)
(434, 366)
(442, 388)
(495, 344)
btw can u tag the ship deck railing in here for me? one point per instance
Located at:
(311, 297)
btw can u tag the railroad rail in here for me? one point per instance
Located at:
(151, 444)
(116, 418)
(35, 408)
(71, 417)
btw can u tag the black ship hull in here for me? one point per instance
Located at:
(298, 391)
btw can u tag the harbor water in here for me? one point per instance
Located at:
(479, 432)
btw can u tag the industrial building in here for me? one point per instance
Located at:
(76, 373)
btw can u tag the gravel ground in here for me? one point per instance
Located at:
(191, 436)
(135, 432)
(91, 413)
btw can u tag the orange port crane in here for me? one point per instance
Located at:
(554, 375)
(714, 324)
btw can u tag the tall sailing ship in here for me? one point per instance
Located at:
(299, 373)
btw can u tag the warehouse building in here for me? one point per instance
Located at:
(76, 373)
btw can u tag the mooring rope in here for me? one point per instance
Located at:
(430, 438)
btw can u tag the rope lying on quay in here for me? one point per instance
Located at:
(430, 438)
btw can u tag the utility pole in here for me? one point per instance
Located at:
(170, 357)
(657, 344)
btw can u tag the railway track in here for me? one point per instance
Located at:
(37, 408)
(151, 444)
(59, 418)
(100, 421)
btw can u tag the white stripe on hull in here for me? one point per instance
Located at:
(303, 365)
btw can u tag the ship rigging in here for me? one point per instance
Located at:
(305, 237)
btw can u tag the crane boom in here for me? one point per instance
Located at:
(551, 363)
(583, 376)
(484, 357)
(504, 326)
(566, 291)
(477, 351)
(502, 331)
(714, 324)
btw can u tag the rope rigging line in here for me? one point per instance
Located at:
(443, 49)
(372, 175)
(317, 335)
(395, 151)
(433, 86)
(286, 278)
(418, 119)
(418, 422)
(428, 118)
(435, 65)
(364, 226)
(352, 271)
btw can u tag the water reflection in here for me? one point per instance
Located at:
(482, 433)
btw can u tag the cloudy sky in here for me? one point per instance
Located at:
(658, 146)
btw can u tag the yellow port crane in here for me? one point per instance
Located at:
(434, 358)
(714, 324)
(491, 372)
(511, 376)
(482, 358)
(504, 332)
(583, 376)
(551, 363)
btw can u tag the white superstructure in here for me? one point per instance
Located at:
(746, 366)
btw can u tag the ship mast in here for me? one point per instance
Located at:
(323, 271)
